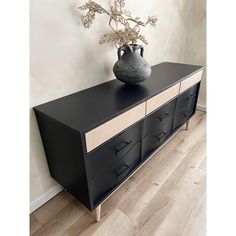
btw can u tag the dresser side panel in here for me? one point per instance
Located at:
(64, 154)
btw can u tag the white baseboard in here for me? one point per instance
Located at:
(201, 108)
(38, 202)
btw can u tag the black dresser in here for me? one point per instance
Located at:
(97, 138)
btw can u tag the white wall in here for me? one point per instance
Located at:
(66, 58)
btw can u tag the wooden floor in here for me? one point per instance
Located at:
(166, 197)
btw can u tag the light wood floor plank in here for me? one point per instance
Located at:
(187, 195)
(196, 224)
(203, 165)
(59, 224)
(186, 172)
(34, 224)
(53, 207)
(116, 224)
(166, 197)
(152, 217)
(84, 222)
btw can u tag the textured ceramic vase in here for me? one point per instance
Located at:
(131, 68)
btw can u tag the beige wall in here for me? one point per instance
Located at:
(195, 50)
(66, 58)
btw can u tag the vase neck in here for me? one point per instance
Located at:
(135, 47)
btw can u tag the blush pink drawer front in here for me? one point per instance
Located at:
(190, 81)
(102, 133)
(160, 99)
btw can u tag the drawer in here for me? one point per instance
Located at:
(110, 153)
(181, 118)
(104, 132)
(187, 99)
(160, 119)
(153, 141)
(189, 82)
(186, 105)
(160, 99)
(105, 181)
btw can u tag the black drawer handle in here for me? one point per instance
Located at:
(190, 97)
(162, 117)
(121, 170)
(159, 137)
(122, 146)
(187, 114)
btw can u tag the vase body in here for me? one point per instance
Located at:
(131, 68)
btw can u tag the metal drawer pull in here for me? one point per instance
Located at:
(162, 117)
(161, 136)
(121, 146)
(121, 170)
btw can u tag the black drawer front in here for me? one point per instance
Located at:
(180, 119)
(160, 120)
(153, 141)
(186, 100)
(185, 107)
(106, 156)
(105, 181)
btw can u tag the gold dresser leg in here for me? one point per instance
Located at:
(187, 124)
(98, 213)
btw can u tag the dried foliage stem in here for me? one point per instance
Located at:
(127, 28)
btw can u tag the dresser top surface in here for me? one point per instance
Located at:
(91, 107)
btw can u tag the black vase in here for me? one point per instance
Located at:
(131, 68)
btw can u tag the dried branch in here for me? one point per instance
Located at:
(123, 32)
(92, 8)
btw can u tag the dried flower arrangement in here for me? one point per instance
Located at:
(125, 28)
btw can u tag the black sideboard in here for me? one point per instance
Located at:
(97, 138)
